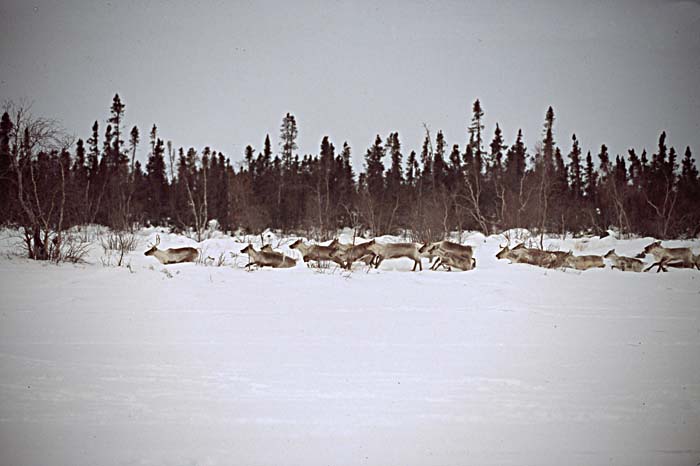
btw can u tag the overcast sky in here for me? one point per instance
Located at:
(224, 74)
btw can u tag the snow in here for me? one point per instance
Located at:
(193, 364)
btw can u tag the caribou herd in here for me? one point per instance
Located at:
(447, 254)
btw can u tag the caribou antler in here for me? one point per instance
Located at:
(153, 245)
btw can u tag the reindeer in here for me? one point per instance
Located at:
(522, 255)
(513, 255)
(394, 251)
(316, 252)
(267, 259)
(584, 262)
(348, 253)
(172, 255)
(268, 248)
(458, 261)
(445, 247)
(624, 263)
(423, 251)
(673, 257)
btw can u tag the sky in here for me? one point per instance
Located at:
(223, 74)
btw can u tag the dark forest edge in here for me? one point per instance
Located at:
(49, 182)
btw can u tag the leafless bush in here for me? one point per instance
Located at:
(205, 259)
(235, 256)
(220, 261)
(120, 241)
(518, 235)
(88, 233)
(73, 249)
(116, 246)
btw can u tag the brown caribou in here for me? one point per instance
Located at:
(623, 263)
(267, 259)
(172, 255)
(441, 248)
(668, 257)
(316, 252)
(348, 253)
(394, 251)
(584, 262)
(522, 255)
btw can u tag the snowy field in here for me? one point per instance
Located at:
(194, 364)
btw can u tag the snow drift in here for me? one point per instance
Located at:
(193, 364)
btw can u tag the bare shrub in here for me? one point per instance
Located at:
(116, 246)
(220, 261)
(208, 261)
(73, 249)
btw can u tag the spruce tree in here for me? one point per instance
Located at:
(93, 152)
(548, 142)
(658, 159)
(394, 176)
(426, 158)
(116, 120)
(620, 170)
(576, 178)
(497, 148)
(249, 158)
(374, 168)
(80, 169)
(347, 180)
(604, 162)
(412, 169)
(157, 183)
(689, 172)
(561, 175)
(688, 195)
(591, 179)
(475, 136)
(516, 162)
(288, 137)
(671, 165)
(454, 177)
(635, 169)
(439, 165)
(134, 140)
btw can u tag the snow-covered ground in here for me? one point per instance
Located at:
(194, 364)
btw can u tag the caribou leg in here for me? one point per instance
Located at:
(378, 261)
(661, 265)
(415, 264)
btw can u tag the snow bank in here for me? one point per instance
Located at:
(193, 364)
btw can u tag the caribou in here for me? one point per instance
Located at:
(316, 252)
(172, 255)
(444, 248)
(522, 255)
(394, 251)
(267, 259)
(348, 253)
(668, 257)
(458, 261)
(624, 263)
(583, 262)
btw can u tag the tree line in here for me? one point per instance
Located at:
(49, 182)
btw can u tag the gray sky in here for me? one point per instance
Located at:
(224, 74)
